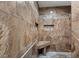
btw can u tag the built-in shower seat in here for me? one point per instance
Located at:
(43, 45)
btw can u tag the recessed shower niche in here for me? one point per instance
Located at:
(48, 27)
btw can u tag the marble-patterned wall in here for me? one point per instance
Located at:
(60, 33)
(75, 28)
(17, 27)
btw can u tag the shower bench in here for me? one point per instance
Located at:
(43, 45)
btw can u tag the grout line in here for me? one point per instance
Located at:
(28, 49)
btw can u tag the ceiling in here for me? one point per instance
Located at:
(53, 3)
